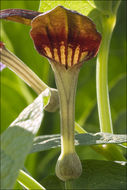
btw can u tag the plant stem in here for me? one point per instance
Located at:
(28, 182)
(68, 185)
(102, 77)
(110, 151)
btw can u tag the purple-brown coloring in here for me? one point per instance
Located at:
(65, 37)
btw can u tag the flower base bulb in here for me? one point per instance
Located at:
(68, 166)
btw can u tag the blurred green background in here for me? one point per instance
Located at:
(16, 95)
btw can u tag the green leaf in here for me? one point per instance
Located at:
(17, 140)
(84, 7)
(14, 89)
(97, 174)
(113, 175)
(53, 183)
(81, 6)
(47, 142)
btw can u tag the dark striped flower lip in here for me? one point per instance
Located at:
(65, 37)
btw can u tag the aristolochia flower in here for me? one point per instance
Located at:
(67, 39)
(62, 35)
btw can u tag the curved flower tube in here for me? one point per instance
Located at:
(67, 39)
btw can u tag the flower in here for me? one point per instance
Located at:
(65, 37)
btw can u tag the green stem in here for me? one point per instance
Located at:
(102, 77)
(68, 185)
(110, 151)
(28, 182)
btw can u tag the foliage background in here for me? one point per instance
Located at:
(16, 95)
